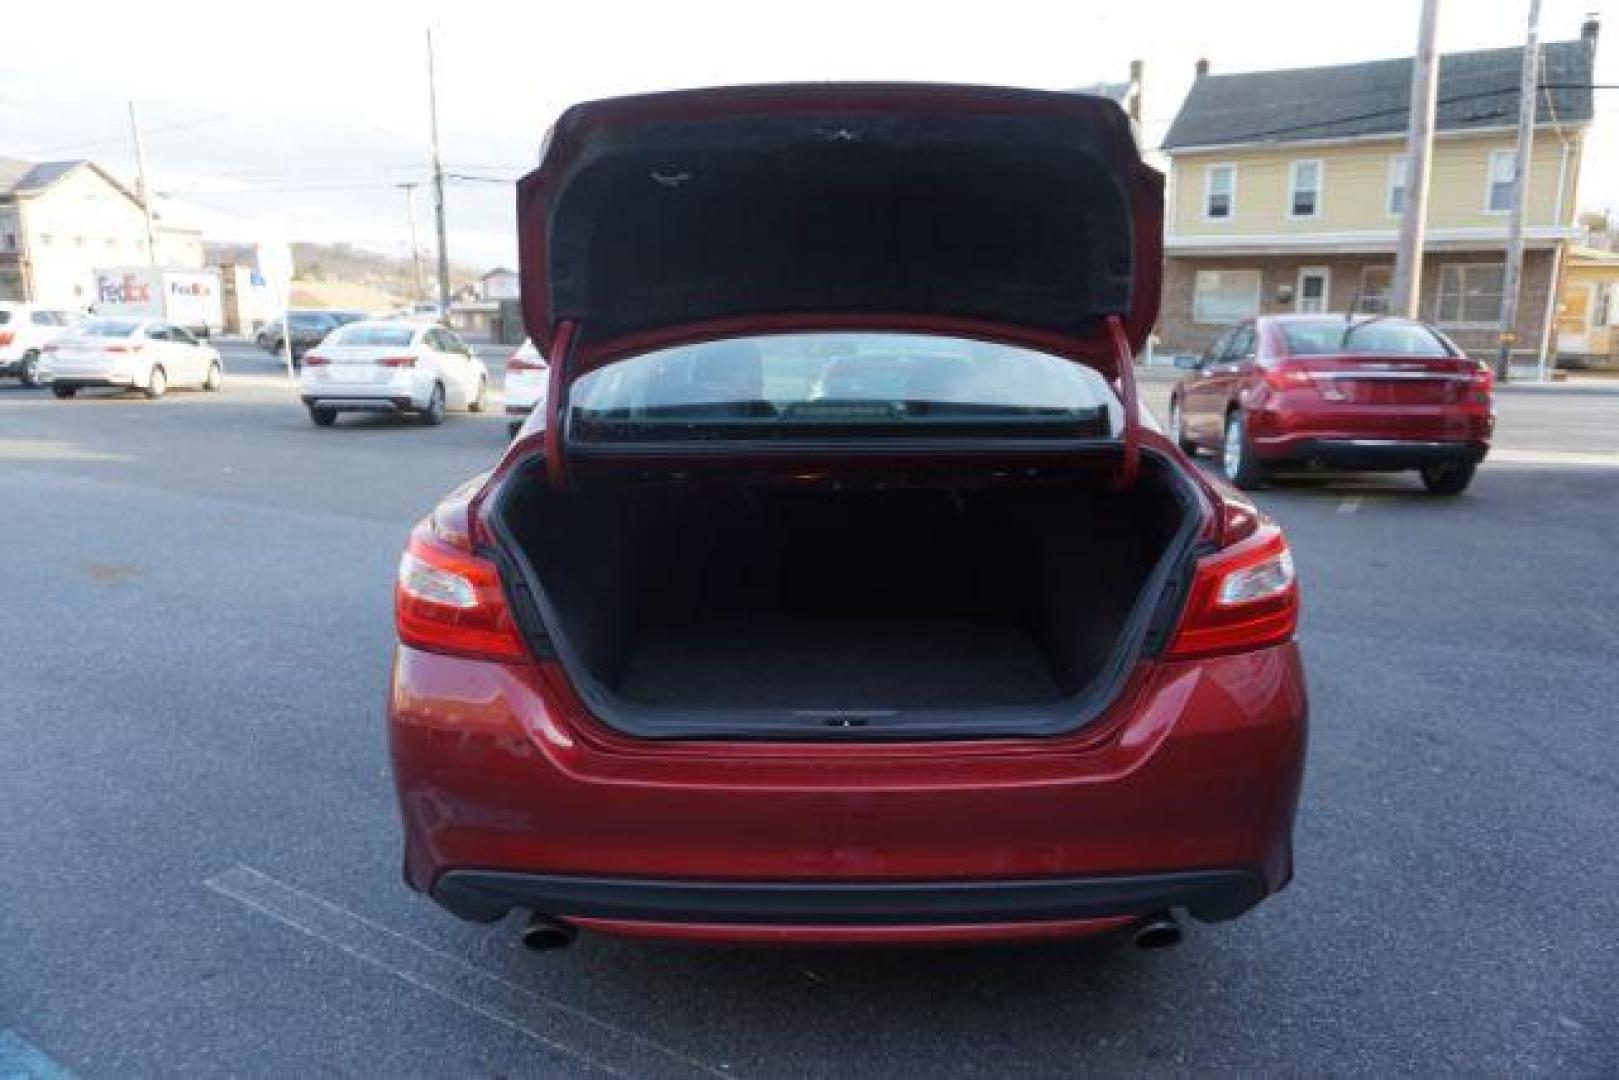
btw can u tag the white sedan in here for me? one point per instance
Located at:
(393, 366)
(25, 330)
(148, 355)
(527, 380)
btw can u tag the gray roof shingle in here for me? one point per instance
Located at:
(1476, 90)
(22, 177)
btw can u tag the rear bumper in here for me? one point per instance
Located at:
(1369, 454)
(343, 403)
(1208, 894)
(121, 381)
(1182, 795)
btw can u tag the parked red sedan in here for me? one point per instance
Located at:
(838, 592)
(1361, 392)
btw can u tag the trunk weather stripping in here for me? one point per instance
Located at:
(1130, 463)
(555, 405)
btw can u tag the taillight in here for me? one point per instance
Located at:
(1243, 597)
(398, 361)
(449, 600)
(1481, 383)
(1285, 376)
(6, 337)
(315, 360)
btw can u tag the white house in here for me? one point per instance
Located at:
(61, 220)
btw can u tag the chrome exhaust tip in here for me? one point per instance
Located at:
(543, 933)
(1159, 930)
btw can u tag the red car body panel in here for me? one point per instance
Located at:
(1197, 764)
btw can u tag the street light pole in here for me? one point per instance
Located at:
(1406, 291)
(143, 191)
(415, 248)
(438, 186)
(1512, 275)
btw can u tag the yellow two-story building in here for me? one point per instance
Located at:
(1287, 187)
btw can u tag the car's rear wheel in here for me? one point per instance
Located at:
(216, 378)
(64, 392)
(30, 368)
(434, 413)
(1237, 459)
(157, 383)
(1177, 427)
(1450, 478)
(322, 417)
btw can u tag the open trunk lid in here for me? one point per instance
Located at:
(1014, 215)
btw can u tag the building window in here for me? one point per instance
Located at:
(1398, 166)
(1219, 192)
(1304, 189)
(1469, 295)
(11, 241)
(1225, 296)
(1376, 283)
(1604, 304)
(1503, 177)
(1310, 298)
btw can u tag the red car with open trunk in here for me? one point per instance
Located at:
(841, 591)
(1363, 392)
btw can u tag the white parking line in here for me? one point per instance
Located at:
(560, 1027)
(1349, 504)
(21, 1060)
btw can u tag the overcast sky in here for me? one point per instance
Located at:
(300, 118)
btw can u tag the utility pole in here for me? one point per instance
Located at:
(1407, 286)
(415, 248)
(142, 190)
(1512, 276)
(438, 186)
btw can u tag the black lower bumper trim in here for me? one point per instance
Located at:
(1210, 895)
(1374, 455)
(358, 404)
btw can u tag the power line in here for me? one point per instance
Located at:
(161, 129)
(479, 179)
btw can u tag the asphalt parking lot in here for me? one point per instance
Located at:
(200, 854)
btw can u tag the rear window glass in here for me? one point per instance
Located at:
(1378, 337)
(109, 328)
(374, 335)
(790, 385)
(311, 322)
(5, 316)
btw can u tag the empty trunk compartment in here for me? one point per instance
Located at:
(922, 608)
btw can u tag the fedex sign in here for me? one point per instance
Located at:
(123, 289)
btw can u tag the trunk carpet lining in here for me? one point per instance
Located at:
(769, 661)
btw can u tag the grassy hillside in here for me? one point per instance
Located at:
(345, 295)
(388, 274)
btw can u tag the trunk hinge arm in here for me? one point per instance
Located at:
(1130, 463)
(556, 406)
